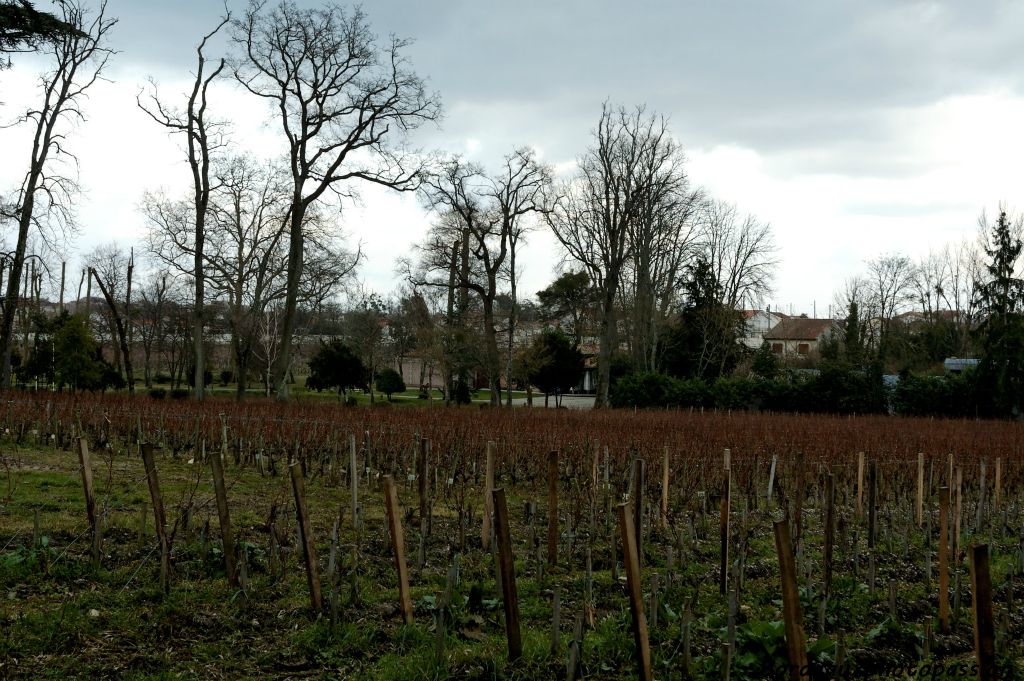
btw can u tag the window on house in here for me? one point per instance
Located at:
(777, 348)
(803, 348)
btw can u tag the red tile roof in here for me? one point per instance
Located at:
(799, 328)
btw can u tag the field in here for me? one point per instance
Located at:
(93, 591)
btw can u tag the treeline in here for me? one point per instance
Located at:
(835, 390)
(849, 373)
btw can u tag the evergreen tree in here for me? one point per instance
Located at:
(1001, 300)
(853, 338)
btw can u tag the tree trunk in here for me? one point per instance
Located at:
(10, 304)
(493, 358)
(291, 302)
(604, 351)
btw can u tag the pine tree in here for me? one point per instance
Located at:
(1001, 300)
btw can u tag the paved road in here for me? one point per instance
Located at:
(570, 401)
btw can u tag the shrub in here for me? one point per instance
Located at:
(390, 381)
(158, 393)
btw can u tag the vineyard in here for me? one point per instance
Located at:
(146, 538)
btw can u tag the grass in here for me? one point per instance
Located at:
(61, 618)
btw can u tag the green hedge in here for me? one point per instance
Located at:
(835, 389)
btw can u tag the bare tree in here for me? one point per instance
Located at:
(112, 270)
(662, 240)
(44, 200)
(247, 253)
(890, 280)
(150, 319)
(486, 215)
(598, 208)
(343, 102)
(741, 252)
(203, 137)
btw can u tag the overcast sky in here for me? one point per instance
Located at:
(853, 128)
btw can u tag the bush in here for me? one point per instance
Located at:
(158, 393)
(180, 394)
(226, 376)
(390, 381)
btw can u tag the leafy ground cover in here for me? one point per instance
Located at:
(63, 616)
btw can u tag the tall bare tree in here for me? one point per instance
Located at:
(891, 281)
(248, 252)
(598, 208)
(203, 136)
(44, 201)
(343, 103)
(741, 252)
(662, 240)
(112, 269)
(486, 215)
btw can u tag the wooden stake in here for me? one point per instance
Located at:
(795, 649)
(639, 485)
(509, 594)
(984, 630)
(920, 489)
(872, 502)
(944, 559)
(485, 530)
(723, 525)
(860, 485)
(553, 508)
(958, 514)
(771, 478)
(830, 526)
(158, 515)
(664, 489)
(306, 534)
(227, 539)
(90, 500)
(398, 546)
(636, 599)
(421, 481)
(998, 493)
(353, 476)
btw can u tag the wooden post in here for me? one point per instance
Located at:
(944, 559)
(830, 527)
(90, 500)
(217, 466)
(421, 481)
(485, 530)
(86, 463)
(398, 545)
(723, 525)
(634, 586)
(981, 497)
(509, 594)
(771, 478)
(872, 502)
(795, 649)
(860, 485)
(158, 514)
(981, 596)
(958, 514)
(306, 535)
(556, 623)
(353, 476)
(552, 508)
(664, 489)
(920, 489)
(997, 493)
(639, 484)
